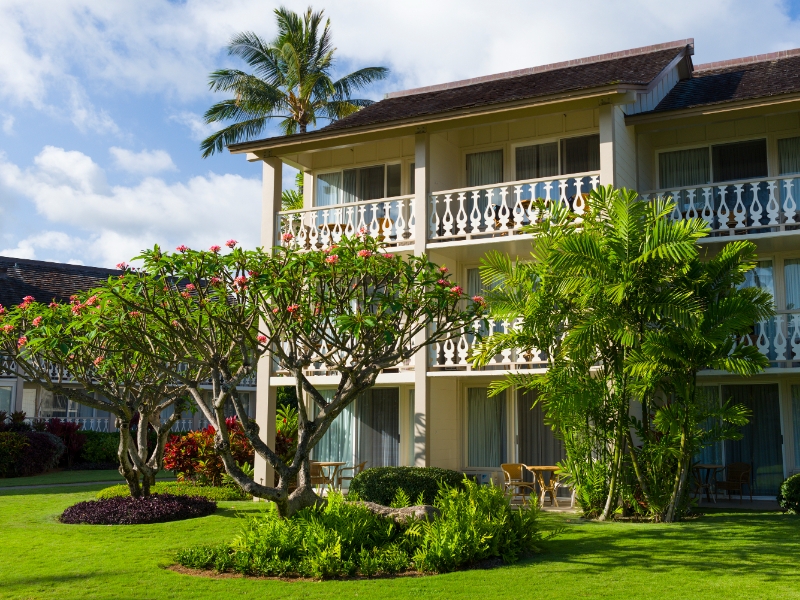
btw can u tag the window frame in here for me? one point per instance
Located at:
(400, 161)
(545, 140)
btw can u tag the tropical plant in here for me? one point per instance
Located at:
(291, 80)
(293, 199)
(789, 496)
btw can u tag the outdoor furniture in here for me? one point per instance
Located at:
(513, 479)
(355, 469)
(704, 484)
(737, 475)
(323, 473)
(547, 487)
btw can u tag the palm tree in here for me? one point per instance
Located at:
(291, 81)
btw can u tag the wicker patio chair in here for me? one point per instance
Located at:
(355, 469)
(737, 475)
(514, 480)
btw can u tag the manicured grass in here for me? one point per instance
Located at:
(723, 555)
(72, 477)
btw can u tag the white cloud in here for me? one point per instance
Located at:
(146, 162)
(113, 223)
(198, 128)
(8, 123)
(57, 241)
(86, 117)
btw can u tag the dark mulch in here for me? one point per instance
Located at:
(156, 508)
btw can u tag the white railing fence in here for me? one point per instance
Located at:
(778, 339)
(453, 355)
(749, 206)
(391, 220)
(503, 208)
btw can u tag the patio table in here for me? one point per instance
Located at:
(334, 466)
(538, 472)
(709, 469)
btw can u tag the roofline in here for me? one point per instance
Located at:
(748, 60)
(544, 68)
(323, 134)
(46, 263)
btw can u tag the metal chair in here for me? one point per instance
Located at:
(355, 469)
(513, 475)
(737, 475)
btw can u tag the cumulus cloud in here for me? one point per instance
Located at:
(198, 128)
(57, 241)
(146, 162)
(69, 190)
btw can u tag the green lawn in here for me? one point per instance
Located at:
(72, 477)
(724, 555)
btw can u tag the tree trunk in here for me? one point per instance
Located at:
(615, 468)
(679, 479)
(125, 468)
(637, 469)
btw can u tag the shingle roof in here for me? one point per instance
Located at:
(45, 281)
(740, 79)
(636, 67)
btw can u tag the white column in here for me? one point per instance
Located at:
(308, 189)
(422, 158)
(266, 396)
(607, 144)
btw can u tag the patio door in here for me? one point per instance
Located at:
(378, 415)
(761, 445)
(537, 445)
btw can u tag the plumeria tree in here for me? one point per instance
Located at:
(79, 350)
(352, 309)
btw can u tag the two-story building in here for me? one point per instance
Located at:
(448, 171)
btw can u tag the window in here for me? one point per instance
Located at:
(540, 160)
(484, 168)
(789, 155)
(760, 277)
(683, 168)
(244, 398)
(791, 278)
(580, 154)
(6, 399)
(486, 428)
(740, 160)
(412, 179)
(354, 185)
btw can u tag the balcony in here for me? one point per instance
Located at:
(752, 206)
(390, 219)
(501, 210)
(778, 339)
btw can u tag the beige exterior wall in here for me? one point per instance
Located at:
(445, 423)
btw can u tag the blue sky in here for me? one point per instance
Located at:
(101, 102)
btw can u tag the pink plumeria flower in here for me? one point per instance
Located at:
(182, 248)
(215, 281)
(215, 248)
(190, 286)
(8, 328)
(479, 300)
(275, 310)
(456, 290)
(97, 361)
(2, 310)
(186, 295)
(287, 237)
(443, 269)
(262, 339)
(364, 253)
(122, 266)
(241, 280)
(292, 308)
(53, 305)
(76, 308)
(22, 341)
(388, 255)
(28, 299)
(174, 323)
(231, 243)
(332, 259)
(443, 282)
(135, 313)
(91, 300)
(37, 321)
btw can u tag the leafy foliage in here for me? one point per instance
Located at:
(181, 488)
(28, 453)
(100, 448)
(382, 484)
(345, 538)
(12, 445)
(156, 508)
(291, 81)
(789, 497)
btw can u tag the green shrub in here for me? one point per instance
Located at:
(43, 452)
(381, 484)
(100, 447)
(180, 488)
(12, 445)
(789, 497)
(344, 538)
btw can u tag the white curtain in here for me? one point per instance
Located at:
(539, 160)
(337, 444)
(789, 155)
(379, 427)
(484, 168)
(683, 168)
(791, 276)
(580, 154)
(486, 428)
(328, 186)
(538, 444)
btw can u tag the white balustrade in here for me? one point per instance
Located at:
(454, 354)
(391, 220)
(503, 209)
(778, 339)
(749, 206)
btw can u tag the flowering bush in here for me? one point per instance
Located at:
(156, 508)
(193, 456)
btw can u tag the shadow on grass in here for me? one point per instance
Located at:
(61, 489)
(724, 543)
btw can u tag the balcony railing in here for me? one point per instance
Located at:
(453, 354)
(754, 206)
(502, 209)
(778, 339)
(391, 219)
(319, 368)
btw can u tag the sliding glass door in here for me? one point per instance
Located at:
(537, 444)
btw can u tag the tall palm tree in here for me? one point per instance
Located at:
(291, 81)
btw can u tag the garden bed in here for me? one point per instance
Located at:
(156, 508)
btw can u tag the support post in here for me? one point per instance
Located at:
(607, 144)
(422, 158)
(267, 396)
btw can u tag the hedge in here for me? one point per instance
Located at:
(100, 447)
(380, 484)
(789, 497)
(28, 453)
(180, 488)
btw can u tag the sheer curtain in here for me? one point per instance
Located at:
(486, 428)
(760, 445)
(484, 168)
(338, 442)
(683, 168)
(789, 155)
(791, 276)
(379, 427)
(761, 277)
(740, 160)
(580, 154)
(328, 186)
(540, 160)
(538, 444)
